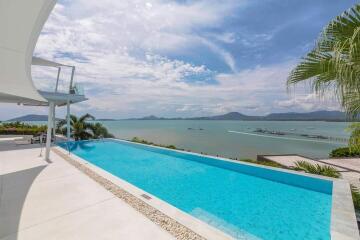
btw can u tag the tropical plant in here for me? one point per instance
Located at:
(80, 128)
(354, 141)
(99, 131)
(318, 169)
(334, 63)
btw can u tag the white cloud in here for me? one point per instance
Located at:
(226, 37)
(309, 102)
(120, 48)
(225, 55)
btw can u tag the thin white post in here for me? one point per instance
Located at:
(48, 135)
(68, 120)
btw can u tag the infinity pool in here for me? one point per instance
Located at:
(245, 201)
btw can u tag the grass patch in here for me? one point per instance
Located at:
(143, 141)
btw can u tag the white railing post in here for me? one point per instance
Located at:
(72, 79)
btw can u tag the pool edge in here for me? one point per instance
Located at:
(193, 224)
(343, 220)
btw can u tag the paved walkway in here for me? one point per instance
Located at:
(56, 201)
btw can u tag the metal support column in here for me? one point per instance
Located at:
(68, 120)
(49, 127)
(54, 124)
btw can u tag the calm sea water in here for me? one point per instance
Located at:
(234, 138)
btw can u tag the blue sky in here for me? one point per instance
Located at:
(185, 58)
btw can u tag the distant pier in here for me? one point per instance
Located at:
(304, 135)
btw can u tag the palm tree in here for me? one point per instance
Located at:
(334, 63)
(99, 131)
(80, 128)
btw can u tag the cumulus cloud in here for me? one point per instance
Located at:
(309, 102)
(122, 49)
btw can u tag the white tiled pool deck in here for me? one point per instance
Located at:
(39, 200)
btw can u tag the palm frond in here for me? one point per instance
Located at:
(318, 169)
(334, 63)
(86, 117)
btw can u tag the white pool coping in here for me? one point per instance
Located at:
(343, 219)
(183, 218)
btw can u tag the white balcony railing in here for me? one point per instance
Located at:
(53, 77)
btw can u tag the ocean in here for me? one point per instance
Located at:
(237, 139)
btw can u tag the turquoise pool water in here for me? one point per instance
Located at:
(244, 201)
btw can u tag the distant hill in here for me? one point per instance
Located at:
(227, 116)
(310, 116)
(291, 116)
(151, 117)
(106, 119)
(30, 118)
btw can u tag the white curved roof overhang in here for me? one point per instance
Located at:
(43, 62)
(21, 22)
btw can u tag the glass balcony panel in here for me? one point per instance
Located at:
(45, 79)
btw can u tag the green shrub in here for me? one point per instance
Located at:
(17, 128)
(344, 152)
(142, 141)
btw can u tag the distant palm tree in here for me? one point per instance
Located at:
(80, 128)
(334, 63)
(354, 140)
(99, 131)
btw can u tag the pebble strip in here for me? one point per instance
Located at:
(176, 229)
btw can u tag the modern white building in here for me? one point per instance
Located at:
(21, 22)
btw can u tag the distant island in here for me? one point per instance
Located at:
(30, 118)
(333, 116)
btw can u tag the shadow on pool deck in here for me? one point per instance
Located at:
(14, 188)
